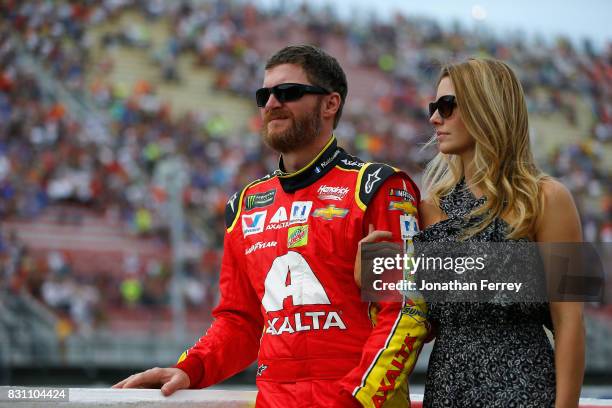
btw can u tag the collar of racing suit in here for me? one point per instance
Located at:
(313, 171)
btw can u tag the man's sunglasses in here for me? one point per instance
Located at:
(287, 93)
(444, 105)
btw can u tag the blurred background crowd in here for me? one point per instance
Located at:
(99, 98)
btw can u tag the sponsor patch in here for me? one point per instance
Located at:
(260, 245)
(259, 200)
(335, 193)
(415, 313)
(278, 226)
(300, 211)
(321, 166)
(387, 383)
(253, 223)
(404, 206)
(305, 321)
(297, 236)
(279, 216)
(409, 226)
(352, 163)
(330, 212)
(403, 194)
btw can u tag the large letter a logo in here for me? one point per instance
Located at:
(305, 288)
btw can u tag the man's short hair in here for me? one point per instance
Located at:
(321, 69)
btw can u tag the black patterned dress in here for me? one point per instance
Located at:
(493, 354)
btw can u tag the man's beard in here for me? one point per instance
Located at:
(302, 132)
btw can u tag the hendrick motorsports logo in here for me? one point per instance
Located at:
(259, 199)
(332, 193)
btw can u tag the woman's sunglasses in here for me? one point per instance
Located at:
(287, 93)
(444, 105)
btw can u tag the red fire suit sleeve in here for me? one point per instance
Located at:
(392, 348)
(232, 341)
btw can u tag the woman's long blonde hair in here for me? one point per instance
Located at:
(492, 105)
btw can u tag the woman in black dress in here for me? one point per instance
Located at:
(484, 186)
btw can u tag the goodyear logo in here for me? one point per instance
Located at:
(259, 199)
(297, 236)
(405, 206)
(330, 212)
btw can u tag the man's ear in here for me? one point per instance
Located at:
(331, 105)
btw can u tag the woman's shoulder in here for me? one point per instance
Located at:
(555, 196)
(552, 189)
(559, 216)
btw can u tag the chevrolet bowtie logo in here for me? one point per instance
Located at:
(405, 206)
(330, 212)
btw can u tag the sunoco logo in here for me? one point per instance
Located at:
(414, 312)
(332, 192)
(259, 200)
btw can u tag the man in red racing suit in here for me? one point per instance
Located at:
(287, 288)
(288, 295)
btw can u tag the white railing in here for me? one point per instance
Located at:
(106, 397)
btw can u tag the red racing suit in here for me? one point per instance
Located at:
(288, 295)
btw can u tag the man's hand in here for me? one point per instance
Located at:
(168, 379)
(373, 236)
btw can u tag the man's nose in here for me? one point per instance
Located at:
(272, 103)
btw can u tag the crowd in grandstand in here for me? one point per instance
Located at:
(47, 155)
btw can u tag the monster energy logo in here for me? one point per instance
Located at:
(260, 199)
